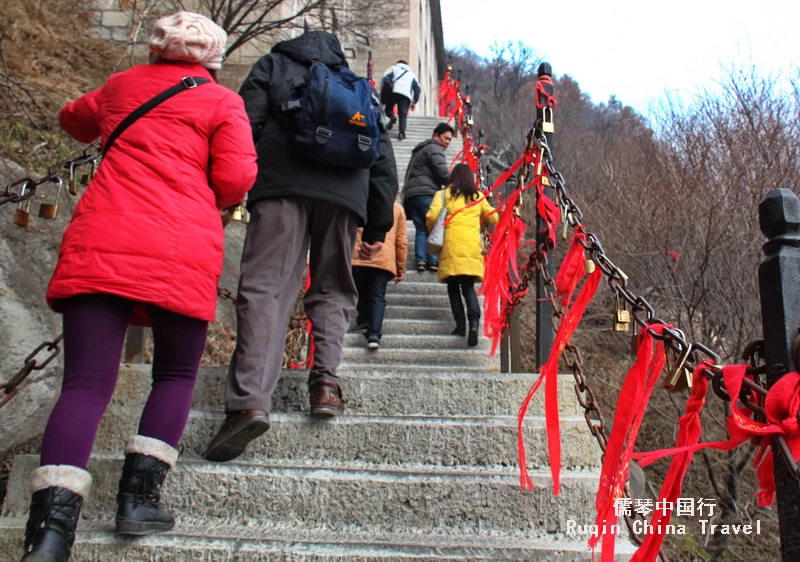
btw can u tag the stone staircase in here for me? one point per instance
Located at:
(422, 466)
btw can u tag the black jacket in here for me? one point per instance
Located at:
(427, 171)
(282, 171)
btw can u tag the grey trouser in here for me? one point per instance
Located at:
(273, 262)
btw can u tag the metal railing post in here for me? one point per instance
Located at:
(779, 285)
(545, 333)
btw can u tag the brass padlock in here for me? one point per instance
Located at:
(622, 317)
(87, 176)
(546, 181)
(565, 227)
(22, 216)
(589, 266)
(237, 213)
(73, 180)
(50, 210)
(547, 122)
(678, 376)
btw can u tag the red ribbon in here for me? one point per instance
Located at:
(549, 375)
(781, 406)
(635, 394)
(572, 268)
(549, 100)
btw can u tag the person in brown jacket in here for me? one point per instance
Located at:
(372, 276)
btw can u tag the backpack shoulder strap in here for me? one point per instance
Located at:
(186, 83)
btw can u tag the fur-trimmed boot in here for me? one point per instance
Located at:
(139, 507)
(58, 494)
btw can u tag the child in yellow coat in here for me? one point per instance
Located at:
(461, 259)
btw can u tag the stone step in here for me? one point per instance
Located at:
(378, 391)
(419, 312)
(373, 440)
(445, 343)
(423, 284)
(242, 543)
(409, 356)
(439, 300)
(407, 326)
(438, 501)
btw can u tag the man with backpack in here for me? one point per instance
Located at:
(325, 167)
(399, 88)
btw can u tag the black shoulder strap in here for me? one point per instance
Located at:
(401, 75)
(187, 83)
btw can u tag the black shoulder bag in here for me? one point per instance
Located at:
(186, 83)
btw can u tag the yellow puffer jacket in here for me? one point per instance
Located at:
(462, 253)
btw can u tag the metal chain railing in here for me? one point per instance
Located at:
(9, 390)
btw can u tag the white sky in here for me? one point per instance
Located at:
(635, 49)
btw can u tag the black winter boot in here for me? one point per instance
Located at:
(58, 494)
(139, 507)
(472, 339)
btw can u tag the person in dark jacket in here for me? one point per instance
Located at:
(426, 174)
(297, 202)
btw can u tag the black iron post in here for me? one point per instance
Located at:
(135, 345)
(370, 67)
(545, 334)
(779, 284)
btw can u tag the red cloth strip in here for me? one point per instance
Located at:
(310, 359)
(689, 432)
(549, 375)
(635, 393)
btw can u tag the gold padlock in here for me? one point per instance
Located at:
(678, 376)
(546, 181)
(50, 210)
(22, 216)
(87, 176)
(622, 318)
(237, 213)
(589, 266)
(565, 227)
(73, 180)
(547, 123)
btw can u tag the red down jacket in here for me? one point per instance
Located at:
(148, 227)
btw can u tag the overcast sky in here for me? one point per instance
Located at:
(635, 49)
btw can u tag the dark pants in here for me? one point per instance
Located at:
(416, 208)
(94, 329)
(402, 103)
(273, 262)
(459, 285)
(371, 284)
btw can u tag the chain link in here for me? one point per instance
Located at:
(9, 390)
(22, 189)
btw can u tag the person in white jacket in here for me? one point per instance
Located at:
(405, 94)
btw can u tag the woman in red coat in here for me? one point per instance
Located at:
(145, 246)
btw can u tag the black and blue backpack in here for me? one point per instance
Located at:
(333, 117)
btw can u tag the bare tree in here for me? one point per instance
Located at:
(246, 20)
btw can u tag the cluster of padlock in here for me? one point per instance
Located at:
(240, 214)
(77, 172)
(679, 352)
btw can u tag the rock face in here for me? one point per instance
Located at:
(27, 260)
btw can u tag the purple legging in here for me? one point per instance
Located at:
(94, 329)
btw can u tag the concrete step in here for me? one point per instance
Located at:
(439, 501)
(439, 300)
(378, 391)
(393, 341)
(407, 326)
(373, 440)
(423, 284)
(419, 312)
(410, 356)
(242, 543)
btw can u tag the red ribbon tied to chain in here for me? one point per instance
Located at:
(633, 399)
(549, 371)
(310, 359)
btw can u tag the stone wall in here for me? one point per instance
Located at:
(409, 39)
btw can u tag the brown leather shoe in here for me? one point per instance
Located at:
(326, 399)
(239, 429)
